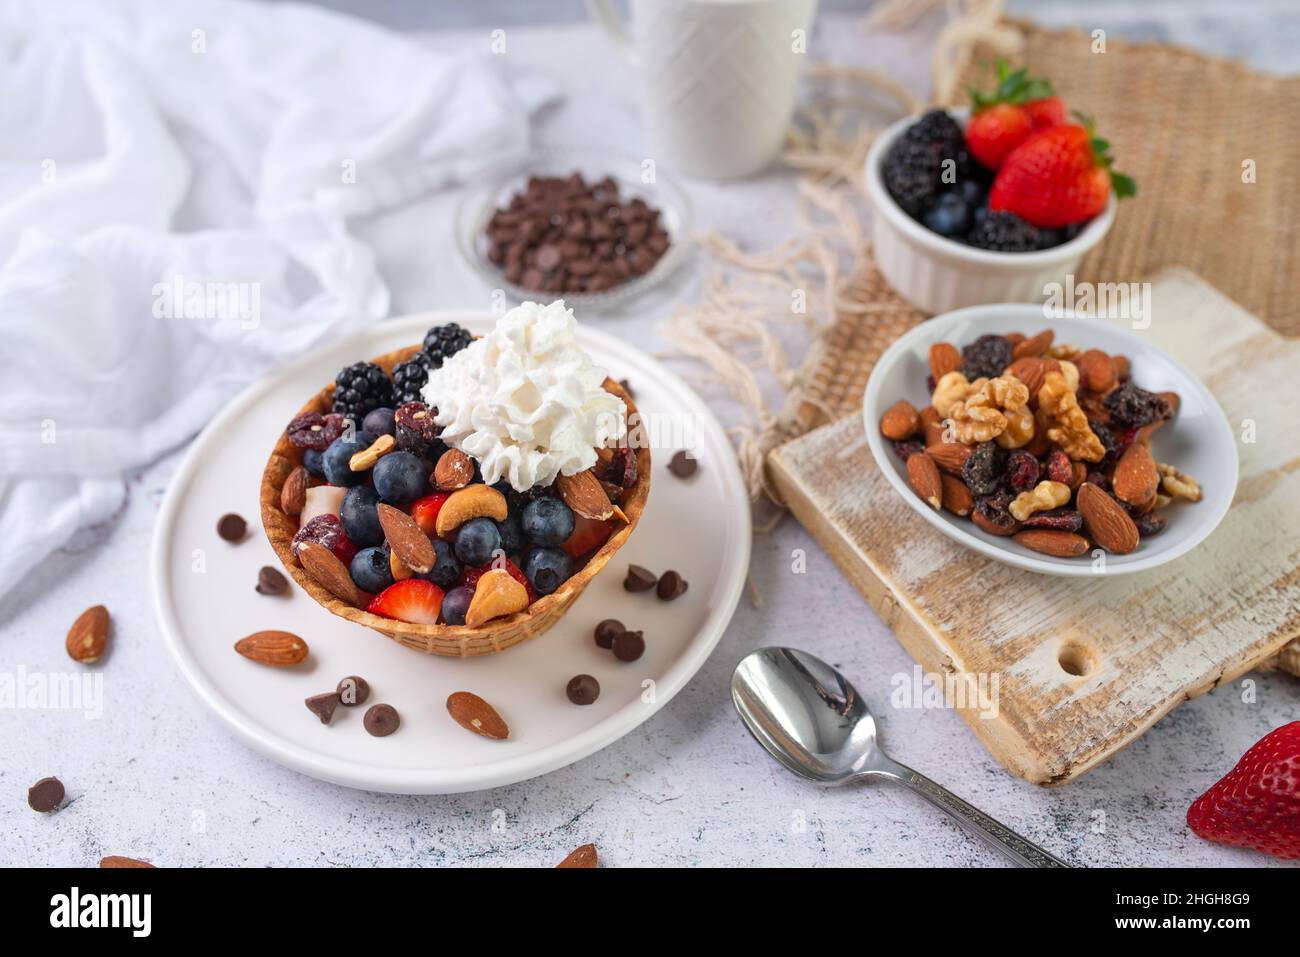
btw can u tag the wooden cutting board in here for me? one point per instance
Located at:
(1086, 666)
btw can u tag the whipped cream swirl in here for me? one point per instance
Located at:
(525, 400)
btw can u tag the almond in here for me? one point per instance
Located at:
(1096, 371)
(496, 595)
(1052, 541)
(366, 458)
(327, 570)
(585, 495)
(944, 358)
(1121, 365)
(923, 474)
(982, 522)
(956, 496)
(473, 713)
(931, 425)
(279, 649)
(949, 456)
(114, 860)
(1135, 479)
(88, 637)
(900, 421)
(407, 539)
(584, 856)
(1034, 346)
(1106, 521)
(454, 470)
(473, 501)
(293, 494)
(1032, 371)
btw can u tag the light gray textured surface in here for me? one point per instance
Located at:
(158, 777)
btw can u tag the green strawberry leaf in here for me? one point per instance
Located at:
(1124, 185)
(1013, 86)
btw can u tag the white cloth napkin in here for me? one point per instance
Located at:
(176, 181)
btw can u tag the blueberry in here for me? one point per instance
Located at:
(547, 521)
(370, 569)
(312, 461)
(949, 216)
(547, 569)
(446, 569)
(360, 516)
(971, 192)
(477, 541)
(512, 534)
(980, 214)
(336, 457)
(454, 605)
(400, 478)
(379, 422)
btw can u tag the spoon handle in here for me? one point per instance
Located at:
(1023, 852)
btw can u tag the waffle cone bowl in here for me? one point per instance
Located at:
(460, 641)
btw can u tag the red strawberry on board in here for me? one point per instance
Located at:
(1257, 804)
(1002, 120)
(412, 599)
(1058, 177)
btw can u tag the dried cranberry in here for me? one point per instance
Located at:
(625, 461)
(1131, 406)
(1065, 519)
(326, 530)
(930, 384)
(993, 509)
(1124, 439)
(984, 467)
(415, 429)
(1022, 470)
(905, 450)
(311, 430)
(986, 357)
(1059, 468)
(1152, 523)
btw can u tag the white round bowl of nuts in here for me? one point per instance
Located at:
(1067, 445)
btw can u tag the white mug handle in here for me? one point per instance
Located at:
(614, 25)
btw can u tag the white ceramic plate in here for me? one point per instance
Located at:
(1199, 441)
(204, 600)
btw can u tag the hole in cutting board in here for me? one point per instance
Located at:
(1076, 658)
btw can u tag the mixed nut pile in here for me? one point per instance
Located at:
(1049, 444)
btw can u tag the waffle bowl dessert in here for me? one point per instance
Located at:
(387, 517)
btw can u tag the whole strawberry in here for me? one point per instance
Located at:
(1257, 804)
(1058, 177)
(1002, 120)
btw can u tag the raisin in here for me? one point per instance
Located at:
(1152, 523)
(625, 462)
(311, 430)
(1108, 441)
(1130, 406)
(1063, 519)
(992, 509)
(415, 429)
(986, 357)
(1022, 470)
(1098, 479)
(1059, 468)
(905, 450)
(984, 467)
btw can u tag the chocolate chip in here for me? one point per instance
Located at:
(323, 705)
(607, 631)
(582, 689)
(683, 466)
(382, 720)
(671, 585)
(271, 582)
(629, 646)
(45, 795)
(353, 690)
(639, 579)
(232, 527)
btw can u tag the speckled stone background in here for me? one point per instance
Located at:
(158, 777)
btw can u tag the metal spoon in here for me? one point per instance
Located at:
(808, 717)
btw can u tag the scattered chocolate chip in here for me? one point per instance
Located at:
(382, 720)
(45, 795)
(271, 582)
(671, 585)
(582, 689)
(323, 705)
(683, 466)
(232, 527)
(607, 631)
(353, 690)
(639, 579)
(629, 646)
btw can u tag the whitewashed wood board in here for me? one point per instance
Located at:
(1145, 642)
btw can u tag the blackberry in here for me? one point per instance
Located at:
(914, 163)
(409, 378)
(442, 342)
(1131, 407)
(361, 388)
(1005, 233)
(986, 357)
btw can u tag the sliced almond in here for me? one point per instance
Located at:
(88, 637)
(584, 494)
(293, 494)
(279, 649)
(473, 501)
(584, 856)
(454, 470)
(496, 595)
(1105, 520)
(327, 570)
(366, 458)
(473, 713)
(407, 539)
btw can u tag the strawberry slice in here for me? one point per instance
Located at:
(587, 536)
(1257, 803)
(412, 599)
(425, 511)
(471, 574)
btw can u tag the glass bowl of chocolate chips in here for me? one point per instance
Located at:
(591, 229)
